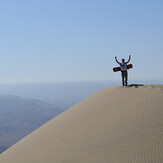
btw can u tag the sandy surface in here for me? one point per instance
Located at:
(115, 125)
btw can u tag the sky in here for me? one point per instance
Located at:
(77, 40)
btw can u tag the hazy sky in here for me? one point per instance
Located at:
(77, 40)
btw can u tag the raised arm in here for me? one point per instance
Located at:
(117, 60)
(129, 59)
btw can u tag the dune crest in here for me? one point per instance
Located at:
(115, 125)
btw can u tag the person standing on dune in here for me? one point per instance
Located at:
(124, 72)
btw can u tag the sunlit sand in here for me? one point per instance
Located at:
(115, 125)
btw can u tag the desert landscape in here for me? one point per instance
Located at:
(117, 125)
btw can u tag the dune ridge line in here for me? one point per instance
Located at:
(116, 125)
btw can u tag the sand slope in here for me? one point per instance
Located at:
(115, 125)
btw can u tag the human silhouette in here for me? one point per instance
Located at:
(124, 72)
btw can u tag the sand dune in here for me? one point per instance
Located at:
(115, 125)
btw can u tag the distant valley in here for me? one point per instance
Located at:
(20, 116)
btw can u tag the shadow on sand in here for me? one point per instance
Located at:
(135, 85)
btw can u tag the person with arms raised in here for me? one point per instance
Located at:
(123, 67)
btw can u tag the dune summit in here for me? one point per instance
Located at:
(115, 125)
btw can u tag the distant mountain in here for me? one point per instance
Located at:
(20, 116)
(62, 94)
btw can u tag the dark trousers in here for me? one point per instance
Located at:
(124, 77)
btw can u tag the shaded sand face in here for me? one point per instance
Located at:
(115, 125)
